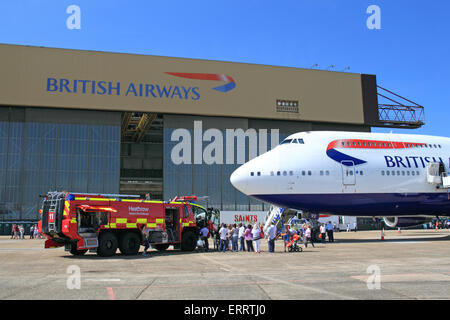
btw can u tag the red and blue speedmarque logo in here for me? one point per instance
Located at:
(209, 76)
(348, 160)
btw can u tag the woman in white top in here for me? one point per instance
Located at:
(256, 233)
(308, 237)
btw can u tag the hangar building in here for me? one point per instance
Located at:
(101, 122)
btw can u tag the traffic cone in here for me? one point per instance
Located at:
(436, 227)
(382, 234)
(398, 231)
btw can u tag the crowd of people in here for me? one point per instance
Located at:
(18, 232)
(240, 237)
(243, 238)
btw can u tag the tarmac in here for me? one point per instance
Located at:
(413, 264)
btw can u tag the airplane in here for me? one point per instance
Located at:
(401, 178)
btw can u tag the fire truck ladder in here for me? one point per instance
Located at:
(55, 199)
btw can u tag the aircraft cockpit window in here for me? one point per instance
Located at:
(286, 141)
(301, 141)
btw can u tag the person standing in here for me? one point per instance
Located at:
(354, 226)
(248, 236)
(204, 233)
(145, 235)
(13, 231)
(241, 237)
(21, 231)
(323, 231)
(330, 229)
(271, 234)
(31, 231)
(36, 232)
(234, 238)
(308, 237)
(256, 234)
(223, 231)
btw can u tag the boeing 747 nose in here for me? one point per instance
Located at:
(239, 178)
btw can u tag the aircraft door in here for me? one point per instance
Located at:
(348, 173)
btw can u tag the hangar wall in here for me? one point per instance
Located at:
(78, 79)
(53, 149)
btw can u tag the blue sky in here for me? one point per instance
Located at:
(410, 54)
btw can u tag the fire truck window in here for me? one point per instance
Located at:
(103, 218)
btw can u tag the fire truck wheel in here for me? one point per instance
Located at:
(107, 245)
(130, 244)
(75, 252)
(189, 241)
(161, 247)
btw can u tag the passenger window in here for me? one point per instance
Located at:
(403, 173)
(393, 172)
(418, 173)
(252, 174)
(398, 173)
(278, 173)
(259, 173)
(327, 173)
(361, 173)
(413, 173)
(382, 172)
(309, 173)
(388, 172)
(407, 173)
(303, 173)
(291, 173)
(284, 173)
(271, 173)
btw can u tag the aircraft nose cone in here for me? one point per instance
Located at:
(239, 179)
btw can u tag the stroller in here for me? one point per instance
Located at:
(201, 246)
(293, 244)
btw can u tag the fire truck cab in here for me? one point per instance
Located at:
(107, 222)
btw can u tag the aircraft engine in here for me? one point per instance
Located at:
(404, 222)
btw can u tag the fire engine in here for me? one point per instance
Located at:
(103, 223)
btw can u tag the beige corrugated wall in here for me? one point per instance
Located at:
(32, 76)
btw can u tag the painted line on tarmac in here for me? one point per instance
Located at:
(103, 280)
(111, 295)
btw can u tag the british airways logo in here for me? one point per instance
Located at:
(137, 89)
(230, 85)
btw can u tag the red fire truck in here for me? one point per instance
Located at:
(105, 222)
